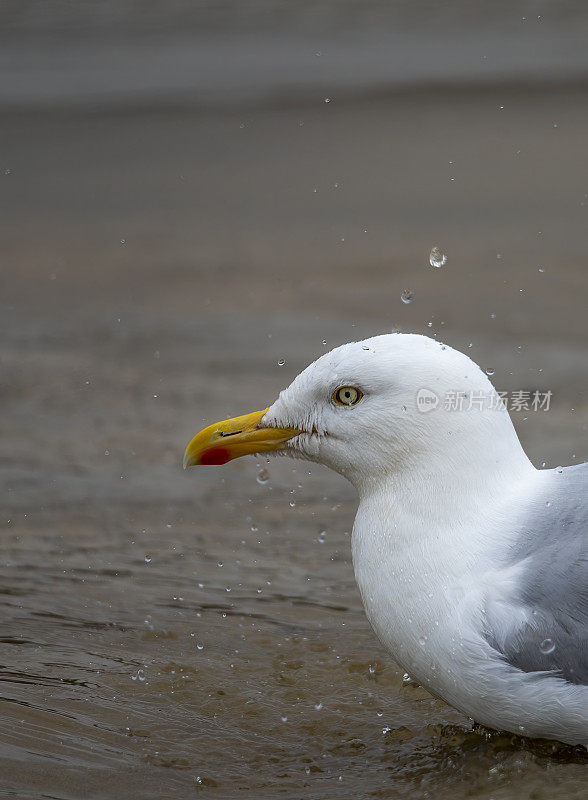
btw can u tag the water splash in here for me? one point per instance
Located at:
(437, 257)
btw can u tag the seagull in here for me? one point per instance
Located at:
(471, 563)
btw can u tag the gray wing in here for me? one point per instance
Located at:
(550, 632)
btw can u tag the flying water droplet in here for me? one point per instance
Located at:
(547, 646)
(407, 296)
(263, 476)
(281, 362)
(489, 370)
(437, 257)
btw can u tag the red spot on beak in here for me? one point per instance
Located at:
(215, 456)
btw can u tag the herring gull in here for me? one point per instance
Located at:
(471, 563)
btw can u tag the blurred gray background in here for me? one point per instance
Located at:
(192, 192)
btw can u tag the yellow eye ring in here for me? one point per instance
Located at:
(347, 395)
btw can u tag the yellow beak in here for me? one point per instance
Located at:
(233, 438)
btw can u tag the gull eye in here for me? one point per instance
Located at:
(347, 396)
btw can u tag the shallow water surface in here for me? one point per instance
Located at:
(222, 648)
(201, 631)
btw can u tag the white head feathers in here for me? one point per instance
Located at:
(409, 418)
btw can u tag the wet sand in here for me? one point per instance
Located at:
(182, 632)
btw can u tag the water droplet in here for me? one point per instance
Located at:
(407, 296)
(489, 370)
(284, 719)
(148, 559)
(324, 341)
(327, 99)
(318, 706)
(281, 362)
(199, 646)
(437, 257)
(364, 347)
(263, 476)
(422, 640)
(559, 470)
(547, 646)
(321, 537)
(292, 504)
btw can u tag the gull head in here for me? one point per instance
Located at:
(371, 409)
